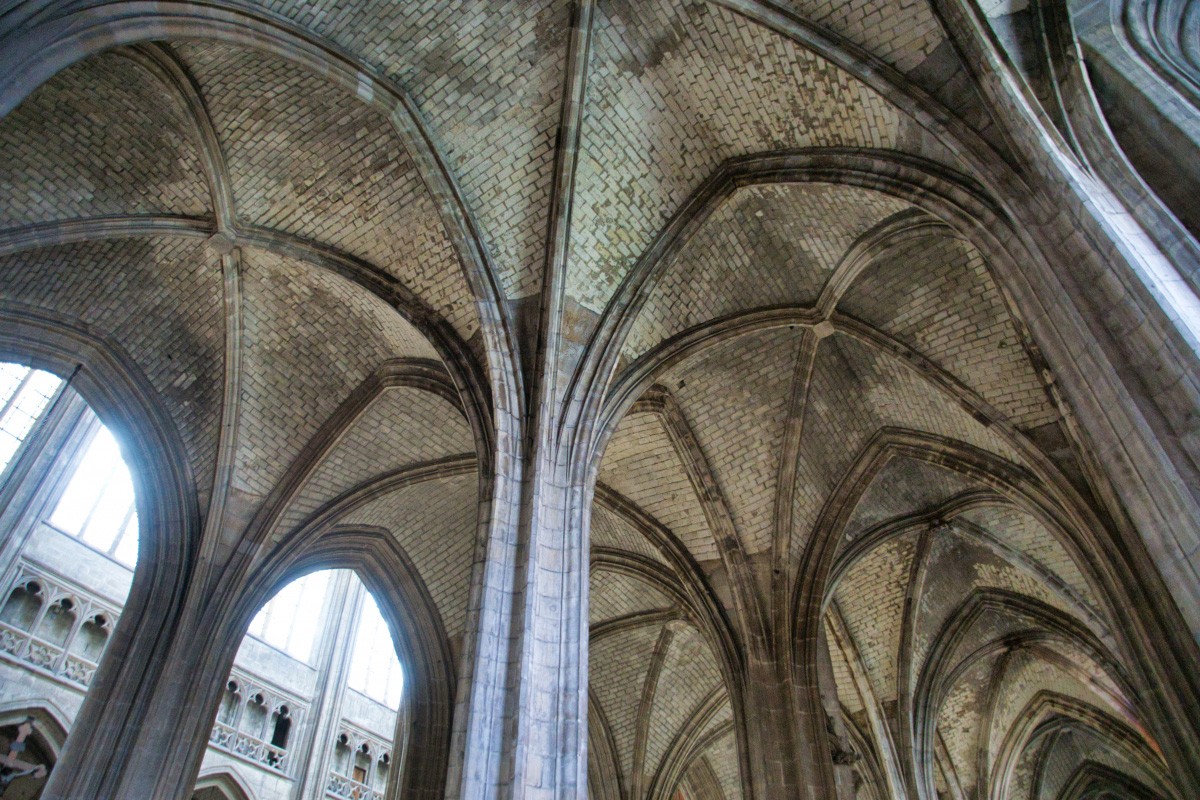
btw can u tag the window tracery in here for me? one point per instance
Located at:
(375, 670)
(97, 505)
(53, 625)
(361, 765)
(290, 621)
(255, 721)
(24, 396)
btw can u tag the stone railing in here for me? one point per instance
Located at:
(248, 747)
(343, 788)
(46, 591)
(46, 656)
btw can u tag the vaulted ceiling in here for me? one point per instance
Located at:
(801, 363)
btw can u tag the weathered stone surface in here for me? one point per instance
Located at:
(691, 379)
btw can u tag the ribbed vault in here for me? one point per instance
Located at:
(739, 265)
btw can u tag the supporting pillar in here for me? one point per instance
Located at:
(523, 723)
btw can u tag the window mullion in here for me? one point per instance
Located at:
(12, 398)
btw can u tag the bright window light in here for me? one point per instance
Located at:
(374, 669)
(24, 395)
(290, 619)
(98, 504)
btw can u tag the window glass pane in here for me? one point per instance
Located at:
(289, 620)
(11, 376)
(127, 547)
(374, 669)
(24, 395)
(97, 505)
(111, 511)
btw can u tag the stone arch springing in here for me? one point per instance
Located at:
(380, 562)
(89, 33)
(1049, 712)
(1066, 517)
(224, 784)
(1045, 626)
(165, 496)
(693, 608)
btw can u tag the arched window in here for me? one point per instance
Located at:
(283, 725)
(255, 718)
(375, 670)
(231, 700)
(362, 763)
(291, 619)
(22, 607)
(24, 395)
(59, 621)
(92, 637)
(319, 644)
(341, 754)
(382, 766)
(98, 504)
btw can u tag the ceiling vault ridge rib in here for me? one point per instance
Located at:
(38, 235)
(645, 710)
(636, 379)
(707, 490)
(231, 409)
(785, 481)
(688, 581)
(684, 748)
(906, 669)
(632, 621)
(920, 519)
(161, 60)
(949, 514)
(597, 716)
(558, 230)
(880, 731)
(912, 178)
(904, 226)
(416, 373)
(894, 86)
(445, 339)
(325, 517)
(77, 34)
(706, 740)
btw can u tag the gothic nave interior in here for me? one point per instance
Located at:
(625, 399)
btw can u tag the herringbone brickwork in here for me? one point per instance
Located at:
(676, 88)
(901, 34)
(906, 486)
(765, 246)
(159, 300)
(871, 597)
(960, 720)
(688, 675)
(642, 464)
(435, 522)
(935, 294)
(735, 396)
(310, 339)
(609, 529)
(615, 594)
(102, 138)
(855, 392)
(1024, 534)
(402, 427)
(621, 663)
(309, 159)
(497, 134)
